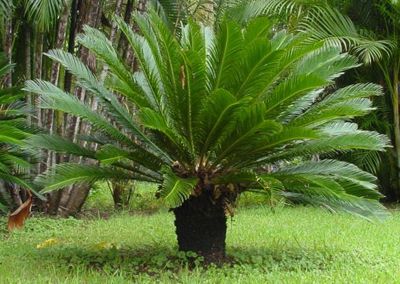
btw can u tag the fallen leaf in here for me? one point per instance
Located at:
(17, 218)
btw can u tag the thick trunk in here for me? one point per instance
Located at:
(76, 200)
(201, 227)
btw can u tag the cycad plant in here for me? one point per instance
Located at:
(13, 130)
(211, 115)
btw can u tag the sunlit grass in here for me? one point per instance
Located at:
(292, 245)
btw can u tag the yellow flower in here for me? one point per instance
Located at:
(48, 243)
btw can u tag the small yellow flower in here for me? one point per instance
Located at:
(48, 243)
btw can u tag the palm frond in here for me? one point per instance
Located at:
(176, 190)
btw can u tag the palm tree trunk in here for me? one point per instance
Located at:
(71, 40)
(78, 194)
(123, 43)
(201, 227)
(55, 197)
(55, 67)
(396, 126)
(8, 49)
(28, 67)
(76, 200)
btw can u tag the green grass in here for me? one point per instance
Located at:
(292, 245)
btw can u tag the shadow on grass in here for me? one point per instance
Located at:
(156, 260)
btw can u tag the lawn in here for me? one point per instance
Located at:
(291, 245)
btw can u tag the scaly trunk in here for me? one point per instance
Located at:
(201, 227)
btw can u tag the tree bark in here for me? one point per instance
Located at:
(78, 194)
(55, 196)
(76, 200)
(201, 227)
(55, 66)
(123, 43)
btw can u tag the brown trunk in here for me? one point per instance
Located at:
(55, 197)
(117, 196)
(28, 67)
(78, 194)
(76, 200)
(396, 126)
(123, 43)
(201, 227)
(38, 73)
(55, 66)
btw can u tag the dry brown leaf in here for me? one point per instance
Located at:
(18, 217)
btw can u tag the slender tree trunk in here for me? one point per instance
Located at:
(55, 66)
(396, 126)
(71, 40)
(201, 227)
(123, 43)
(28, 67)
(8, 49)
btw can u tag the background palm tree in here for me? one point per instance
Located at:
(368, 29)
(213, 113)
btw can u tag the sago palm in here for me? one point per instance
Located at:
(210, 114)
(13, 130)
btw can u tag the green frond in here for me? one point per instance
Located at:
(290, 90)
(43, 12)
(175, 190)
(63, 175)
(225, 55)
(328, 24)
(365, 140)
(59, 145)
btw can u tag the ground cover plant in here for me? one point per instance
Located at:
(292, 245)
(217, 114)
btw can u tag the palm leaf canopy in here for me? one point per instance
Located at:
(227, 111)
(13, 130)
